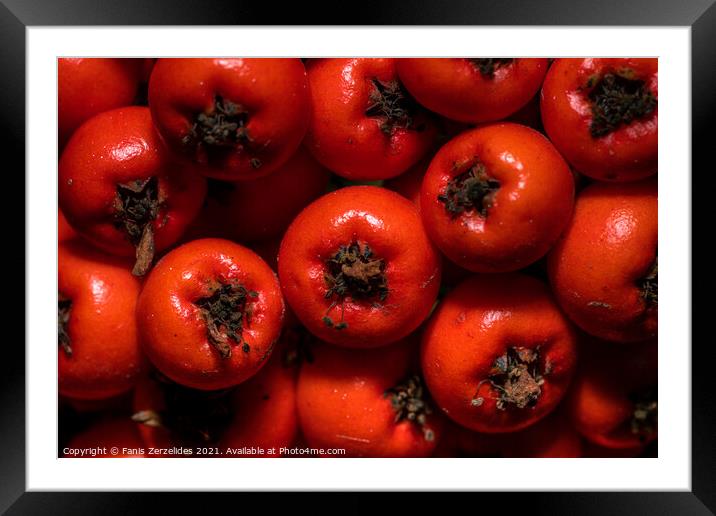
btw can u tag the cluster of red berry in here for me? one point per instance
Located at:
(388, 257)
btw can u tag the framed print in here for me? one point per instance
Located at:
(343, 256)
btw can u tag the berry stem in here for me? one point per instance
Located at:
(136, 207)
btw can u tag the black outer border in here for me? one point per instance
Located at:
(15, 15)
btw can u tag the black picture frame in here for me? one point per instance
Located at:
(17, 15)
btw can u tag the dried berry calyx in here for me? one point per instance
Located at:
(474, 189)
(356, 273)
(644, 418)
(618, 99)
(487, 66)
(223, 126)
(517, 378)
(221, 130)
(136, 207)
(410, 402)
(226, 312)
(392, 106)
(191, 415)
(649, 285)
(64, 306)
